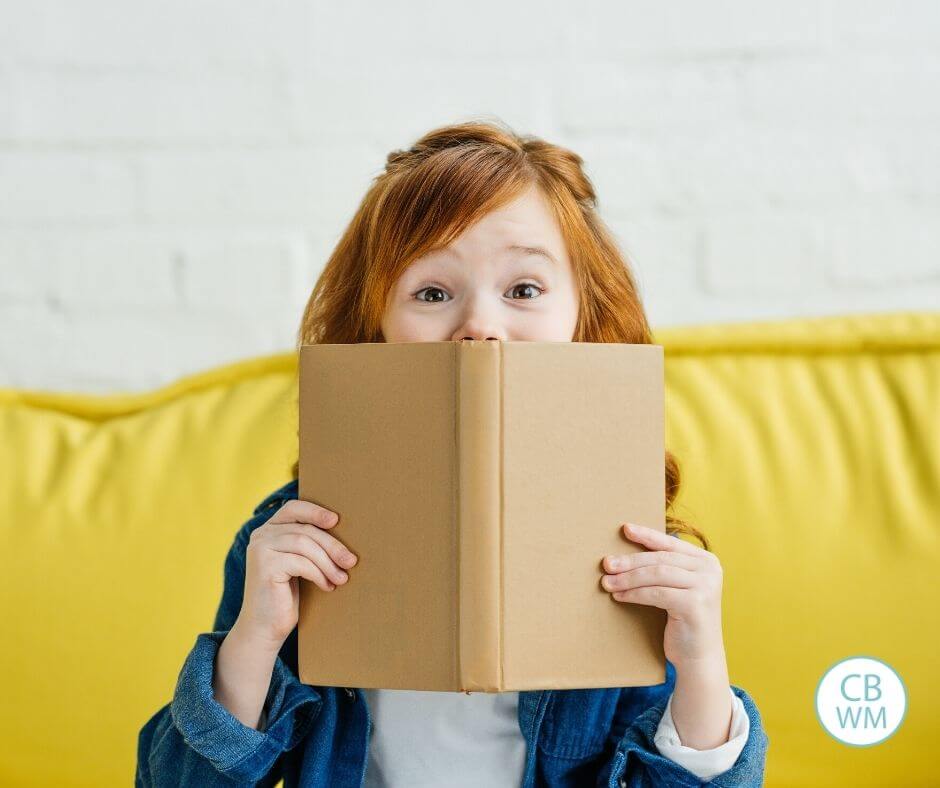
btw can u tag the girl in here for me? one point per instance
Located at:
(475, 232)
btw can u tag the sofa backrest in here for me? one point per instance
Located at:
(809, 455)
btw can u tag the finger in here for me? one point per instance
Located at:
(655, 596)
(656, 575)
(300, 566)
(305, 545)
(658, 540)
(619, 563)
(340, 554)
(299, 511)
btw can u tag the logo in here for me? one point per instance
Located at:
(861, 701)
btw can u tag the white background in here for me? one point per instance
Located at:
(173, 174)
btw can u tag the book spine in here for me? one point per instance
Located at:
(479, 514)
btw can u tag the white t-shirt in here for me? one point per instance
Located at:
(424, 738)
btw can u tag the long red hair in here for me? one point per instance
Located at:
(429, 194)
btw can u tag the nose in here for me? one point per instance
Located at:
(472, 336)
(481, 317)
(478, 330)
(480, 321)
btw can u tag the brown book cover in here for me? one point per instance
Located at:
(481, 483)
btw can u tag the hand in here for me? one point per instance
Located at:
(679, 577)
(292, 544)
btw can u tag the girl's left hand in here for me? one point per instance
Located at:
(679, 577)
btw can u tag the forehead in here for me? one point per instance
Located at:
(527, 220)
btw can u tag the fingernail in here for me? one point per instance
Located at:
(348, 559)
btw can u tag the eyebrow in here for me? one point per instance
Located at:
(537, 251)
(532, 250)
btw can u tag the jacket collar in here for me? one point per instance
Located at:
(277, 498)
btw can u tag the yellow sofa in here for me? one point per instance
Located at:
(810, 457)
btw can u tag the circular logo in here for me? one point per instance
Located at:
(861, 701)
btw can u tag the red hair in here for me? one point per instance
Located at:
(428, 195)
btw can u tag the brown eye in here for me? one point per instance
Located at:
(529, 285)
(432, 289)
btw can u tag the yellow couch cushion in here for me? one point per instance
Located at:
(809, 452)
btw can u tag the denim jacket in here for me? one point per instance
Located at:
(317, 737)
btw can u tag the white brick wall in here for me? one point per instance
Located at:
(173, 174)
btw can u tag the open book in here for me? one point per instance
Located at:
(481, 484)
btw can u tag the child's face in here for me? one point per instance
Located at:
(477, 288)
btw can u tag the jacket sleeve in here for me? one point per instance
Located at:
(704, 763)
(636, 761)
(194, 740)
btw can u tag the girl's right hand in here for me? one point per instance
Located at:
(291, 544)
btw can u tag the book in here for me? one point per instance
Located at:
(481, 483)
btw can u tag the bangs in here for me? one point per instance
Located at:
(433, 202)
